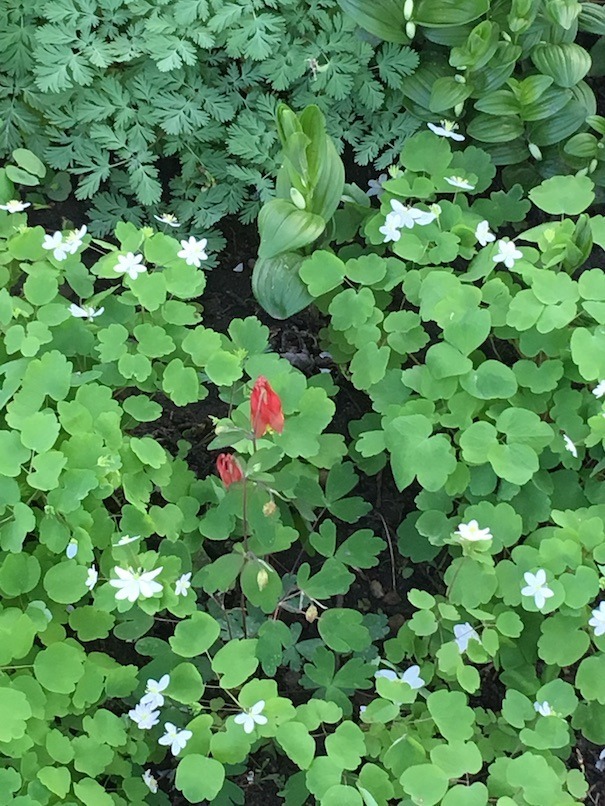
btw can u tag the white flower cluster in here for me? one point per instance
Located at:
(63, 245)
(402, 216)
(146, 715)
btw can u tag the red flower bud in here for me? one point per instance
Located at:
(265, 408)
(229, 469)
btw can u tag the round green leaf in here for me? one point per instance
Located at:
(59, 667)
(65, 582)
(563, 195)
(195, 635)
(199, 778)
(425, 783)
(297, 743)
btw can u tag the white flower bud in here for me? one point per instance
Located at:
(534, 151)
(408, 10)
(458, 109)
(410, 30)
(460, 79)
(262, 579)
(593, 165)
(297, 198)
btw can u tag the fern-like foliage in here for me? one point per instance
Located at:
(105, 89)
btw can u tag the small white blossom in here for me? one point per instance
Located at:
(599, 390)
(569, 446)
(144, 716)
(406, 216)
(168, 218)
(175, 738)
(362, 709)
(92, 578)
(15, 206)
(193, 252)
(387, 674)
(507, 253)
(182, 585)
(87, 312)
(536, 586)
(73, 240)
(543, 708)
(463, 634)
(410, 676)
(375, 186)
(152, 784)
(600, 763)
(130, 264)
(459, 183)
(598, 620)
(424, 217)
(133, 585)
(483, 234)
(470, 531)
(72, 549)
(58, 246)
(447, 129)
(153, 696)
(390, 228)
(126, 539)
(250, 717)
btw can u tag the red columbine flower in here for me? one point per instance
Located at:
(229, 469)
(265, 408)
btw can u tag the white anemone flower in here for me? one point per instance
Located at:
(446, 129)
(153, 691)
(183, 584)
(483, 234)
(144, 715)
(193, 252)
(86, 312)
(387, 674)
(250, 717)
(390, 228)
(463, 634)
(410, 676)
(92, 578)
(570, 446)
(598, 620)
(174, 738)
(543, 708)
(15, 206)
(472, 533)
(459, 183)
(73, 239)
(537, 588)
(57, 245)
(507, 253)
(599, 390)
(150, 781)
(424, 217)
(133, 585)
(168, 218)
(406, 216)
(130, 264)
